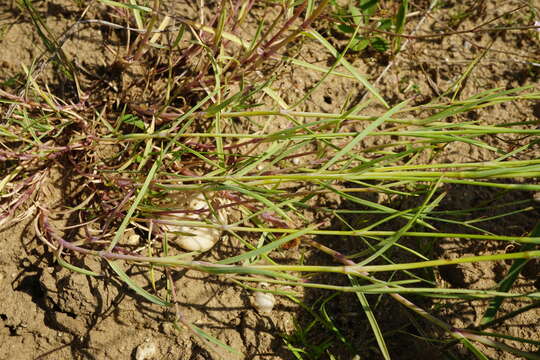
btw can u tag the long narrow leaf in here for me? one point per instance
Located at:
(139, 290)
(372, 320)
(506, 283)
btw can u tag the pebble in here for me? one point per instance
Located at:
(130, 237)
(146, 351)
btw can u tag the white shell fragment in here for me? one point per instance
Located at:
(146, 351)
(193, 238)
(130, 237)
(263, 302)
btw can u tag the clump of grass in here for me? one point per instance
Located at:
(202, 130)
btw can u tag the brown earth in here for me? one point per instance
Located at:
(48, 312)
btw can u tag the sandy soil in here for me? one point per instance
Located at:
(48, 312)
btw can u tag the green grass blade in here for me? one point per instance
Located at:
(266, 248)
(212, 339)
(126, 6)
(255, 195)
(372, 126)
(71, 267)
(349, 67)
(372, 320)
(139, 290)
(476, 352)
(506, 283)
(140, 196)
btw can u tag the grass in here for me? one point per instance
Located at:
(198, 118)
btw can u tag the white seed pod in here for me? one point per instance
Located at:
(263, 302)
(193, 238)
